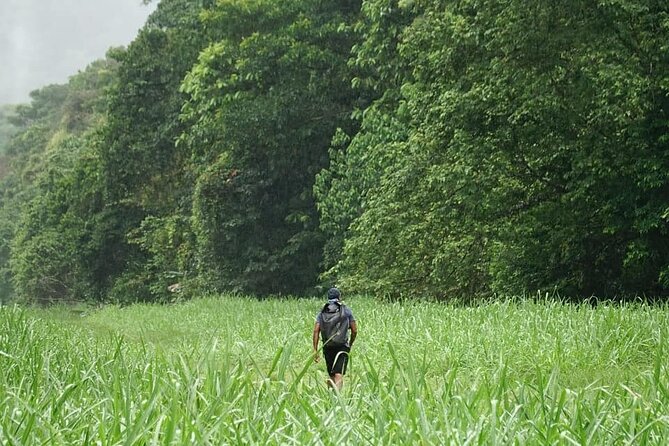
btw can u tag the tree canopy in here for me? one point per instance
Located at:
(425, 149)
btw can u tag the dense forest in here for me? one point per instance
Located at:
(404, 148)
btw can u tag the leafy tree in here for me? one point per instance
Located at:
(433, 148)
(7, 129)
(358, 159)
(265, 101)
(50, 189)
(147, 177)
(53, 251)
(533, 158)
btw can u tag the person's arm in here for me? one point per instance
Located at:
(317, 332)
(354, 333)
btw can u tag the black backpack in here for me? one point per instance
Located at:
(334, 325)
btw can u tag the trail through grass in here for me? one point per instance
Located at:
(232, 370)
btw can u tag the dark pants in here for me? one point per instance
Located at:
(336, 359)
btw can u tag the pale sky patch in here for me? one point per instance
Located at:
(44, 42)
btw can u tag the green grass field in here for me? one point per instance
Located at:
(232, 370)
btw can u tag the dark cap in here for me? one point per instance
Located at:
(333, 293)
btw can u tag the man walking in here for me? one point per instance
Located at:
(332, 324)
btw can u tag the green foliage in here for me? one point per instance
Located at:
(206, 372)
(265, 101)
(168, 243)
(347, 187)
(534, 155)
(7, 130)
(358, 160)
(52, 190)
(431, 149)
(146, 177)
(53, 249)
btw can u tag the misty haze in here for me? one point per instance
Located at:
(45, 41)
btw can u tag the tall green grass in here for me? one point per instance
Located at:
(232, 370)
